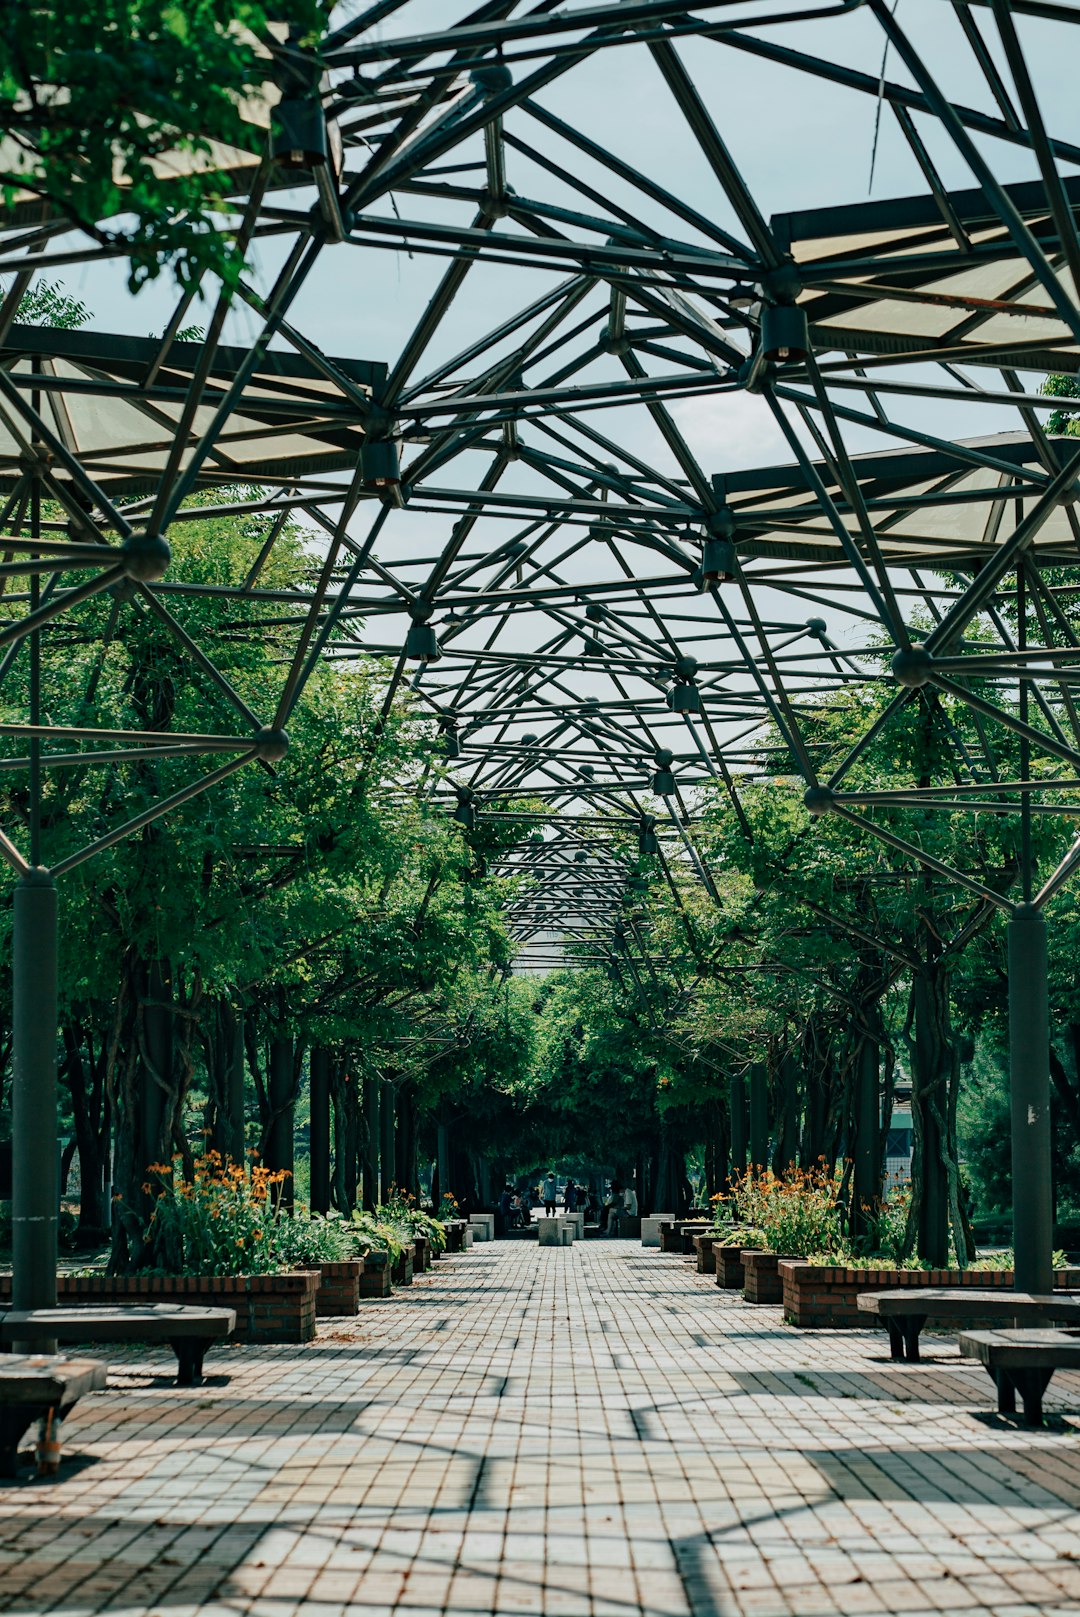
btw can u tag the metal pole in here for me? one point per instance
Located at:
(1029, 1071)
(388, 1144)
(866, 1187)
(279, 1140)
(372, 1143)
(35, 1183)
(233, 1132)
(759, 1114)
(156, 1070)
(442, 1147)
(319, 1191)
(738, 1123)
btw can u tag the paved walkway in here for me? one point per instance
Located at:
(592, 1431)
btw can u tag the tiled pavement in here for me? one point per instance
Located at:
(578, 1431)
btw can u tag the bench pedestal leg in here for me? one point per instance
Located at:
(1005, 1390)
(189, 1352)
(911, 1327)
(896, 1339)
(15, 1422)
(1031, 1384)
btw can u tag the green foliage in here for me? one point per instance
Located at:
(368, 1233)
(124, 116)
(47, 304)
(1064, 421)
(302, 1240)
(401, 1214)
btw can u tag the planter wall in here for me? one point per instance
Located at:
(689, 1232)
(762, 1282)
(728, 1264)
(422, 1259)
(823, 1297)
(269, 1308)
(670, 1238)
(402, 1271)
(339, 1289)
(375, 1275)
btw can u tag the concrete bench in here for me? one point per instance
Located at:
(482, 1226)
(650, 1228)
(188, 1330)
(554, 1232)
(906, 1312)
(33, 1387)
(1022, 1362)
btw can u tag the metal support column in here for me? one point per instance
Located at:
(232, 1132)
(279, 1137)
(370, 1190)
(35, 1186)
(319, 1095)
(156, 1072)
(739, 1140)
(1029, 1074)
(759, 1114)
(388, 1143)
(442, 1157)
(866, 1120)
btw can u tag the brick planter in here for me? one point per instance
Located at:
(422, 1260)
(689, 1232)
(761, 1276)
(825, 1297)
(703, 1246)
(728, 1264)
(677, 1235)
(375, 1275)
(455, 1234)
(269, 1308)
(401, 1272)
(339, 1290)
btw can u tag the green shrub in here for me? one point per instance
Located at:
(368, 1234)
(303, 1240)
(401, 1213)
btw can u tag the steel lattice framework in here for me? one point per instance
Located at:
(513, 503)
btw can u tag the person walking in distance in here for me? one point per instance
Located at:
(570, 1196)
(551, 1194)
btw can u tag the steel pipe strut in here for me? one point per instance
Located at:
(35, 1185)
(1029, 1084)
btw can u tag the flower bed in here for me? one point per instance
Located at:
(269, 1308)
(728, 1264)
(825, 1297)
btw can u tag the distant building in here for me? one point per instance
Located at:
(899, 1142)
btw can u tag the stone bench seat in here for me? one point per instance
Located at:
(1022, 1361)
(189, 1330)
(33, 1385)
(906, 1312)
